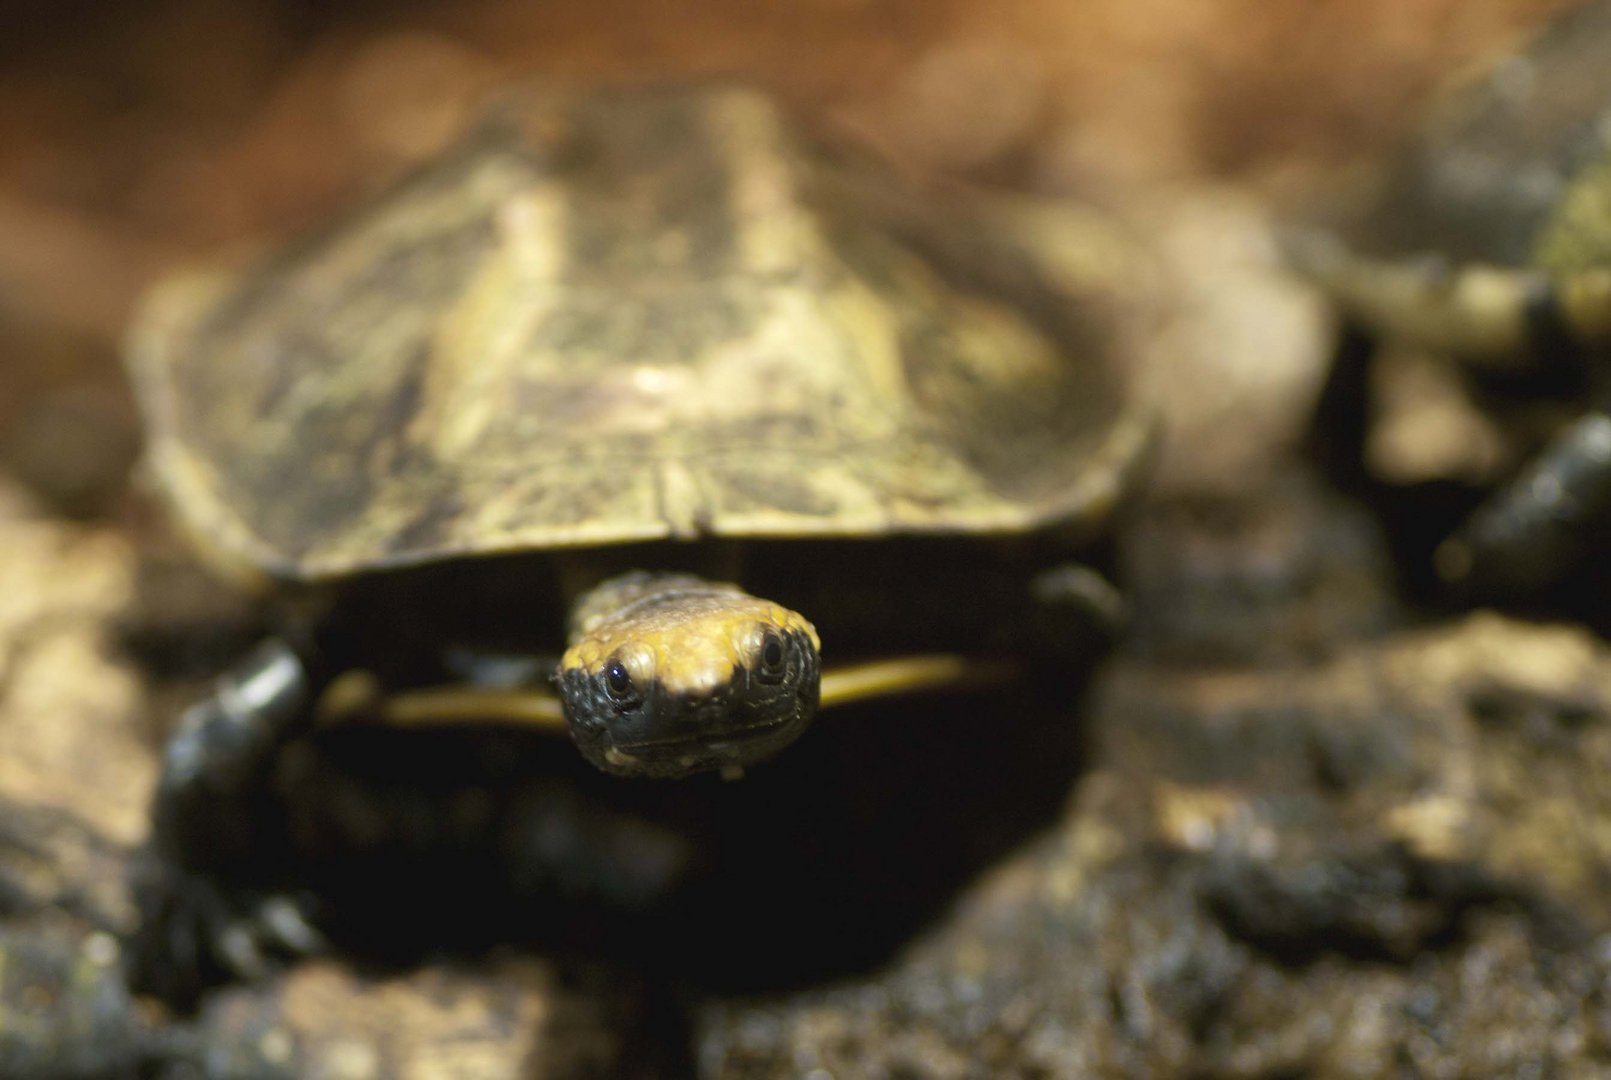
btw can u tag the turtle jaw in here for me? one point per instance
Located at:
(667, 734)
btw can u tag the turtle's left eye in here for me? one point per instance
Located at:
(618, 684)
(774, 659)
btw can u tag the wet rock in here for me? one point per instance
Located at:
(1284, 575)
(1398, 858)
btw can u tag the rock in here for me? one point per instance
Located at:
(1239, 352)
(74, 447)
(75, 767)
(508, 1018)
(1397, 857)
(75, 775)
(64, 1008)
(1286, 575)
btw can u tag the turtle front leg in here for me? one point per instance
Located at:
(194, 929)
(1503, 320)
(1540, 525)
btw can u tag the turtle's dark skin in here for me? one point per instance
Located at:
(1489, 241)
(502, 442)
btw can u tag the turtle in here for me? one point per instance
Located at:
(619, 416)
(1486, 240)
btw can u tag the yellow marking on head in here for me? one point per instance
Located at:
(690, 642)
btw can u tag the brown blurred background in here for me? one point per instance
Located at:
(134, 136)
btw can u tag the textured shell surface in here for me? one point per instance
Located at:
(612, 317)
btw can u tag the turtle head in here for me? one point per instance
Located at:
(669, 675)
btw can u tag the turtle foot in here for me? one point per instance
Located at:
(195, 932)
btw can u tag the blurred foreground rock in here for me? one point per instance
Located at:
(75, 771)
(74, 778)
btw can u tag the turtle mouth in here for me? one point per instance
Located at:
(742, 733)
(660, 732)
(667, 736)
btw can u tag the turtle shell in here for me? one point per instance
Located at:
(1513, 169)
(621, 316)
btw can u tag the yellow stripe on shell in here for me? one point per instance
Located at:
(539, 708)
(916, 674)
(535, 707)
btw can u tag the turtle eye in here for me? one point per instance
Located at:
(774, 659)
(618, 684)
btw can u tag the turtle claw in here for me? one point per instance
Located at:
(237, 947)
(194, 933)
(285, 919)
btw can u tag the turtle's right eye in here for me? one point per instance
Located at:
(618, 684)
(774, 659)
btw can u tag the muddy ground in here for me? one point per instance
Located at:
(1307, 819)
